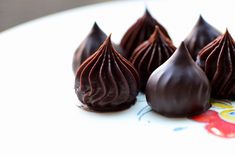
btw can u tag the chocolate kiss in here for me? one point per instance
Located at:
(201, 35)
(106, 81)
(178, 88)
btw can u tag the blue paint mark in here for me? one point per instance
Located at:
(141, 110)
(232, 113)
(179, 128)
(144, 113)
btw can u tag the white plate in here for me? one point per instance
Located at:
(38, 107)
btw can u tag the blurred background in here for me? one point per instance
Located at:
(14, 12)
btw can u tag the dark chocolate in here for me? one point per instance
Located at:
(89, 45)
(140, 32)
(201, 35)
(178, 88)
(151, 54)
(106, 81)
(217, 60)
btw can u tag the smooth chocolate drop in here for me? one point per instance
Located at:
(106, 81)
(178, 88)
(217, 60)
(151, 54)
(201, 35)
(89, 45)
(140, 32)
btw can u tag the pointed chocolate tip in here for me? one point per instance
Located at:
(155, 33)
(183, 51)
(147, 13)
(201, 20)
(156, 30)
(109, 37)
(227, 34)
(183, 47)
(158, 34)
(95, 26)
(226, 31)
(96, 29)
(200, 17)
(108, 40)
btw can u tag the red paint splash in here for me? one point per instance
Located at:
(215, 125)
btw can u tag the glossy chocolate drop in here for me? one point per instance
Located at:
(89, 45)
(178, 88)
(151, 54)
(106, 81)
(140, 32)
(201, 35)
(217, 60)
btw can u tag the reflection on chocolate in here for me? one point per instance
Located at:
(217, 59)
(140, 32)
(89, 45)
(201, 35)
(178, 88)
(106, 81)
(151, 54)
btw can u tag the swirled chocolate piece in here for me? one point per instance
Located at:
(106, 81)
(89, 45)
(201, 35)
(140, 32)
(178, 88)
(151, 54)
(217, 60)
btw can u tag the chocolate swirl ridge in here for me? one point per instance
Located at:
(151, 54)
(217, 60)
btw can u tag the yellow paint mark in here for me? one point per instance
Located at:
(228, 115)
(221, 105)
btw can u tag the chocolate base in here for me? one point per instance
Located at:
(107, 108)
(194, 113)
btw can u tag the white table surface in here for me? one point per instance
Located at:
(39, 116)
